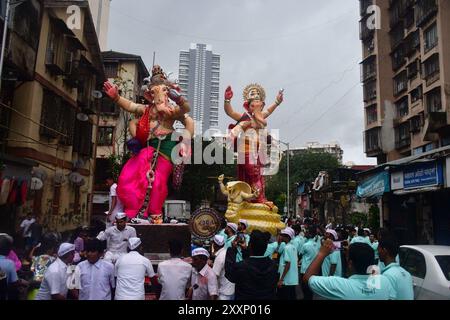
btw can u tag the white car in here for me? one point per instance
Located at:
(430, 269)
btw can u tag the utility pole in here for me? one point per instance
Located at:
(288, 176)
(5, 33)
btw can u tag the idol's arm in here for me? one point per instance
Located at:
(112, 92)
(274, 106)
(227, 105)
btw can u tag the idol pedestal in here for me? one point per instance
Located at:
(155, 239)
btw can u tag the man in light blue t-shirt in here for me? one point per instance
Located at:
(308, 254)
(400, 279)
(360, 286)
(361, 238)
(288, 269)
(332, 265)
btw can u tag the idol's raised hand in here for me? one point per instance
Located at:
(228, 93)
(111, 90)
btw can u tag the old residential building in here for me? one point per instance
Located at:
(406, 74)
(49, 111)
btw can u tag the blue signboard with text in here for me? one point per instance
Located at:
(423, 175)
(374, 186)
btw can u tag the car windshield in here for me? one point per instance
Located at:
(444, 262)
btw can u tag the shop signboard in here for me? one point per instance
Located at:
(374, 186)
(423, 175)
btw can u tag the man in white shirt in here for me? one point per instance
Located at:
(174, 274)
(226, 288)
(203, 280)
(117, 238)
(54, 285)
(26, 230)
(131, 270)
(115, 205)
(96, 275)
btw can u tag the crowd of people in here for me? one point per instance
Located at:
(304, 261)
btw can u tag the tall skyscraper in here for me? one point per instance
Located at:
(100, 15)
(199, 73)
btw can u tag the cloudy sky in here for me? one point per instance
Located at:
(310, 48)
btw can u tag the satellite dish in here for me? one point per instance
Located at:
(59, 178)
(82, 117)
(97, 94)
(39, 173)
(75, 178)
(36, 184)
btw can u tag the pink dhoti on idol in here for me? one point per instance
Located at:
(133, 183)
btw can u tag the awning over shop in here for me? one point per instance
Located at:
(374, 186)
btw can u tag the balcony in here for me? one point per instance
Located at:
(368, 68)
(363, 6)
(372, 142)
(402, 107)
(425, 10)
(431, 69)
(398, 58)
(412, 43)
(403, 136)
(397, 35)
(400, 83)
(364, 31)
(370, 91)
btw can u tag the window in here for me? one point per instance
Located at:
(105, 136)
(413, 69)
(409, 19)
(425, 10)
(416, 123)
(370, 91)
(82, 142)
(58, 118)
(398, 58)
(430, 37)
(402, 107)
(400, 83)
(368, 68)
(111, 70)
(434, 101)
(430, 69)
(108, 106)
(397, 35)
(417, 94)
(372, 140)
(413, 262)
(412, 43)
(54, 55)
(372, 115)
(402, 135)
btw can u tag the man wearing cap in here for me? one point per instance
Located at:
(54, 285)
(332, 265)
(275, 249)
(361, 238)
(96, 275)
(203, 279)
(231, 229)
(130, 270)
(288, 268)
(174, 275)
(117, 238)
(226, 288)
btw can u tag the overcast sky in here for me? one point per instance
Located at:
(310, 48)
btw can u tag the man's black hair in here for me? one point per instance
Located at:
(389, 242)
(362, 256)
(360, 232)
(312, 231)
(297, 228)
(175, 247)
(258, 243)
(94, 245)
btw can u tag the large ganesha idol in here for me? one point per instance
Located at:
(143, 182)
(246, 197)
